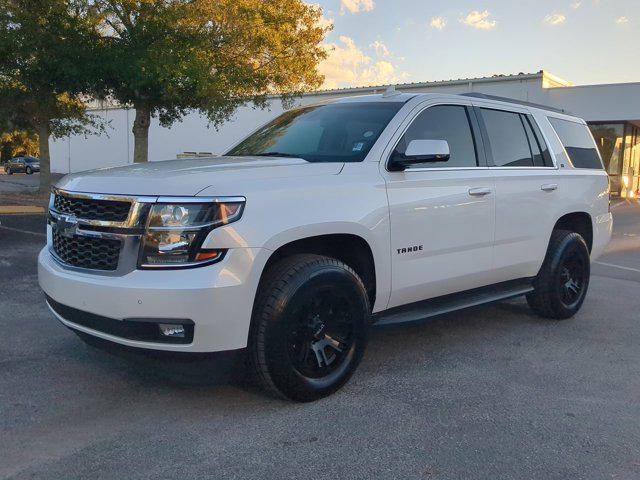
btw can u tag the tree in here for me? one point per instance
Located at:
(46, 48)
(18, 143)
(168, 57)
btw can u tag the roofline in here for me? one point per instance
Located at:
(461, 81)
(561, 82)
(542, 75)
(597, 85)
(374, 89)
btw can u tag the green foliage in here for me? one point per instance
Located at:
(64, 114)
(45, 53)
(46, 64)
(174, 56)
(162, 57)
(168, 57)
(18, 143)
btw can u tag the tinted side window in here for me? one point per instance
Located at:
(507, 138)
(444, 122)
(536, 152)
(578, 143)
(546, 155)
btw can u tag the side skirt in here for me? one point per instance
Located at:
(423, 310)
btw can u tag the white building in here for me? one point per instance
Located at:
(613, 112)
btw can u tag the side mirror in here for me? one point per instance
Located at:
(420, 151)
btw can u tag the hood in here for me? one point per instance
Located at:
(187, 177)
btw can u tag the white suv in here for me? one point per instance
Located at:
(375, 209)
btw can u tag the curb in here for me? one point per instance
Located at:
(21, 210)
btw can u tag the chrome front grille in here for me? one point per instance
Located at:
(97, 232)
(86, 252)
(102, 233)
(92, 209)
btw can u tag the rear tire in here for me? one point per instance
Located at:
(309, 327)
(562, 283)
(9, 171)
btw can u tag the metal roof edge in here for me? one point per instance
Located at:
(435, 83)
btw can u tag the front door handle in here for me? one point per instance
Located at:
(479, 192)
(549, 187)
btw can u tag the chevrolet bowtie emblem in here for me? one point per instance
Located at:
(66, 226)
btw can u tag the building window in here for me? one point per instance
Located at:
(610, 140)
(631, 167)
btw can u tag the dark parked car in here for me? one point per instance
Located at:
(26, 165)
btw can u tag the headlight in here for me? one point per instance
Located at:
(175, 231)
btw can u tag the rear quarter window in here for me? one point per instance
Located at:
(578, 143)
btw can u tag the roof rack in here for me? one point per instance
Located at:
(513, 100)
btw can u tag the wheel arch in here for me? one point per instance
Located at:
(579, 222)
(350, 248)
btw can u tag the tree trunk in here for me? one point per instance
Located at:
(45, 159)
(141, 134)
(5, 153)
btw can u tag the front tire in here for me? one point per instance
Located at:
(309, 327)
(29, 171)
(562, 283)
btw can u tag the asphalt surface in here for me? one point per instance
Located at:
(21, 182)
(18, 182)
(492, 393)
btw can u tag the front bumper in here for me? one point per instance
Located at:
(218, 299)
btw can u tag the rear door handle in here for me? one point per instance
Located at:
(479, 192)
(549, 187)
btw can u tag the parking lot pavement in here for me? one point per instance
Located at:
(484, 394)
(622, 259)
(19, 182)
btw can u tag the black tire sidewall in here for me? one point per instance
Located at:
(298, 290)
(569, 243)
(28, 171)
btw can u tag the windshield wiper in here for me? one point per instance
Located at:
(276, 154)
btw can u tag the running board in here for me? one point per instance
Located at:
(419, 311)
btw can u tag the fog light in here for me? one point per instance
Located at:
(172, 330)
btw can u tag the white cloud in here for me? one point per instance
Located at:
(479, 20)
(323, 22)
(622, 20)
(347, 65)
(438, 23)
(382, 73)
(380, 48)
(355, 6)
(576, 4)
(555, 19)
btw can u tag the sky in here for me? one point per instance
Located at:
(380, 42)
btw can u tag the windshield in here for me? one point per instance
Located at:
(31, 160)
(337, 132)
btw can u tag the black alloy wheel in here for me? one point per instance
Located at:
(573, 277)
(322, 334)
(562, 283)
(309, 327)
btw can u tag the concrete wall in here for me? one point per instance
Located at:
(606, 102)
(598, 102)
(79, 153)
(116, 148)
